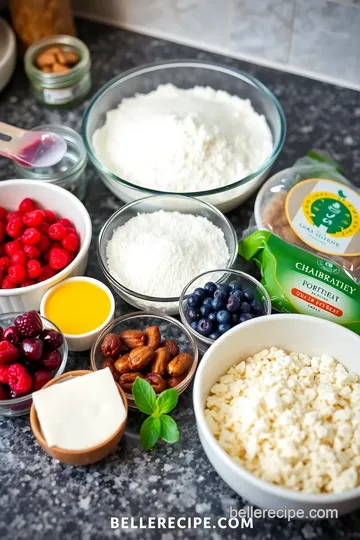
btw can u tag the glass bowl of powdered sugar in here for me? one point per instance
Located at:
(151, 248)
(184, 127)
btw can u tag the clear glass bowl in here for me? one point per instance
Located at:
(186, 74)
(169, 328)
(70, 172)
(21, 405)
(220, 276)
(185, 205)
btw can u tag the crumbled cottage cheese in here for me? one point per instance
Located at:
(178, 140)
(291, 420)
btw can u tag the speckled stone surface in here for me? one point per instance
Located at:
(44, 500)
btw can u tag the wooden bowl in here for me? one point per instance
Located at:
(77, 457)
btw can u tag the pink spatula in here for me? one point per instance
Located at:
(31, 148)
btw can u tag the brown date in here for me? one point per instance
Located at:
(160, 361)
(172, 382)
(153, 337)
(139, 358)
(127, 380)
(179, 365)
(122, 364)
(108, 362)
(157, 382)
(111, 345)
(171, 346)
(133, 338)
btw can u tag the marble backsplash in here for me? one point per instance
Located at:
(319, 38)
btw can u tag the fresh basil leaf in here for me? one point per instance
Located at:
(167, 401)
(150, 432)
(144, 396)
(169, 430)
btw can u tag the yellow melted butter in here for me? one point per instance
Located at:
(77, 307)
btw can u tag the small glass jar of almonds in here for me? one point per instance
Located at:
(59, 70)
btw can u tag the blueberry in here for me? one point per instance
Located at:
(207, 301)
(237, 294)
(193, 314)
(218, 302)
(233, 304)
(205, 327)
(214, 335)
(257, 307)
(235, 286)
(212, 316)
(248, 295)
(205, 311)
(224, 328)
(193, 301)
(200, 292)
(235, 318)
(223, 317)
(224, 287)
(194, 325)
(246, 317)
(245, 307)
(210, 287)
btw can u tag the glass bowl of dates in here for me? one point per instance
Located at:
(32, 352)
(149, 345)
(228, 298)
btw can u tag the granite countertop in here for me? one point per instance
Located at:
(46, 500)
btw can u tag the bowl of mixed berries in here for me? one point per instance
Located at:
(216, 301)
(32, 352)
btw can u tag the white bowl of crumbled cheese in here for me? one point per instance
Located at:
(150, 249)
(277, 406)
(186, 127)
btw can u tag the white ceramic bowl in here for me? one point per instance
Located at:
(61, 201)
(300, 333)
(7, 53)
(83, 342)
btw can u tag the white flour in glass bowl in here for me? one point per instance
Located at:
(183, 140)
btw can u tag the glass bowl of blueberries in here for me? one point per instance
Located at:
(215, 301)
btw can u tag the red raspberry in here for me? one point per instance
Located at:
(31, 236)
(71, 242)
(44, 244)
(32, 252)
(49, 216)
(12, 247)
(17, 273)
(8, 284)
(15, 227)
(4, 374)
(8, 352)
(56, 231)
(3, 213)
(66, 222)
(33, 269)
(2, 231)
(19, 379)
(40, 378)
(27, 205)
(4, 394)
(28, 283)
(19, 257)
(29, 324)
(46, 273)
(12, 215)
(34, 218)
(4, 263)
(43, 227)
(58, 258)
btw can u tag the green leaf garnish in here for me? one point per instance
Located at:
(144, 396)
(169, 430)
(150, 432)
(167, 401)
(159, 424)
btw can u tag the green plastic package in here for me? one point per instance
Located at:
(306, 241)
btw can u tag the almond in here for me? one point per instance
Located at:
(133, 338)
(58, 68)
(45, 59)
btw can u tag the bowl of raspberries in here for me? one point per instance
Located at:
(32, 352)
(45, 234)
(216, 301)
